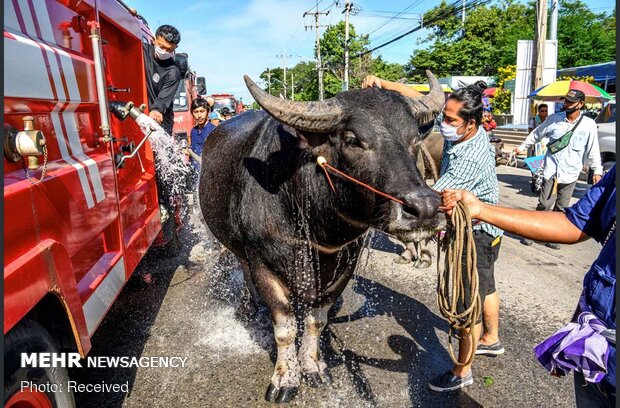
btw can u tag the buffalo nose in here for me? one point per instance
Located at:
(423, 204)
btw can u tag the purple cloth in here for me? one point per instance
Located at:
(577, 346)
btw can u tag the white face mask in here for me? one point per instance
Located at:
(449, 132)
(160, 54)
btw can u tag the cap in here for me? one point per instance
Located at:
(214, 115)
(575, 95)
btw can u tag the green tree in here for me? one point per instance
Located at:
(488, 40)
(388, 70)
(305, 81)
(332, 57)
(273, 79)
(585, 37)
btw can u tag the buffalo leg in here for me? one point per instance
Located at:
(313, 368)
(285, 379)
(409, 254)
(424, 257)
(250, 300)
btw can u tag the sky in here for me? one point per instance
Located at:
(227, 39)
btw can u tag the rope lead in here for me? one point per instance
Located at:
(451, 285)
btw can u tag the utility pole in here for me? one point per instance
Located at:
(292, 86)
(553, 23)
(539, 45)
(463, 14)
(345, 82)
(319, 66)
(284, 58)
(269, 80)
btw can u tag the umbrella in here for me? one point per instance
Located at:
(490, 92)
(424, 88)
(558, 89)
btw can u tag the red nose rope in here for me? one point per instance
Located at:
(324, 165)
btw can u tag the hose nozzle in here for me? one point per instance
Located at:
(121, 111)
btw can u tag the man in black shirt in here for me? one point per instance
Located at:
(162, 81)
(162, 75)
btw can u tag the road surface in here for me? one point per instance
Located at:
(385, 341)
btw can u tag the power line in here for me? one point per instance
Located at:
(319, 67)
(388, 12)
(329, 8)
(317, 6)
(415, 3)
(393, 30)
(290, 40)
(384, 17)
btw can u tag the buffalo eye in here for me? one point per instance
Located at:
(351, 140)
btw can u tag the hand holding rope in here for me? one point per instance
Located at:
(450, 285)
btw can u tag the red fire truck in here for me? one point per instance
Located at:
(80, 197)
(225, 100)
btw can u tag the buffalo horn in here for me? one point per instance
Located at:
(316, 117)
(426, 108)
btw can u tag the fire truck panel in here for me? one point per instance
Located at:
(80, 233)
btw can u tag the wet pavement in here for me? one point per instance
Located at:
(385, 339)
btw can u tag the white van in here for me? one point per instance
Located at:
(606, 123)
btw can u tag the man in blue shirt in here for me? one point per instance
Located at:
(205, 123)
(204, 126)
(586, 345)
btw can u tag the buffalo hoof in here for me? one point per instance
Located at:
(401, 260)
(318, 380)
(405, 257)
(272, 393)
(422, 263)
(280, 395)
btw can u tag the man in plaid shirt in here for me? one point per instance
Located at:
(468, 163)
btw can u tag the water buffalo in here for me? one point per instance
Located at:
(264, 197)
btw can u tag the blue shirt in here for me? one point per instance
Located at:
(595, 215)
(470, 165)
(198, 137)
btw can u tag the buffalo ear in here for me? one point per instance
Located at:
(310, 139)
(425, 129)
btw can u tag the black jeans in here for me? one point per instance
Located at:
(487, 252)
(591, 395)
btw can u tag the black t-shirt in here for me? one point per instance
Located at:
(162, 81)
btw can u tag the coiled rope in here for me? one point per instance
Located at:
(450, 283)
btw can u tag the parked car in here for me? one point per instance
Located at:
(606, 121)
(606, 124)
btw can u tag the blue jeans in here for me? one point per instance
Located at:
(591, 395)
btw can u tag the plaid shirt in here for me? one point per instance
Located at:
(470, 165)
